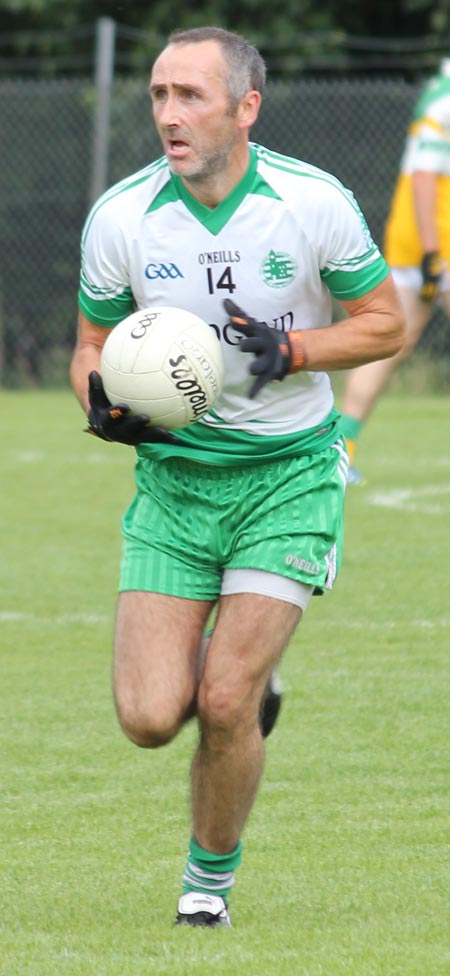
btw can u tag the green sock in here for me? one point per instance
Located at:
(208, 872)
(350, 427)
(351, 430)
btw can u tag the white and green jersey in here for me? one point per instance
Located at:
(287, 238)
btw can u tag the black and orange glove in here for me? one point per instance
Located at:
(276, 353)
(432, 269)
(117, 423)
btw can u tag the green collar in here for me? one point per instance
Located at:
(215, 220)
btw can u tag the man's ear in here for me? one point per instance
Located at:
(248, 109)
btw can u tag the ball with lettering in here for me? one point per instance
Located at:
(165, 362)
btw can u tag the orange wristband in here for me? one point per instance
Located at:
(297, 349)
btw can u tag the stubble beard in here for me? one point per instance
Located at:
(210, 165)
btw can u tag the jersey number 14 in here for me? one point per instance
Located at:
(225, 281)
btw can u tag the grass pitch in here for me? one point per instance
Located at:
(346, 869)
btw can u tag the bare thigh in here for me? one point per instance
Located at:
(156, 650)
(417, 314)
(250, 635)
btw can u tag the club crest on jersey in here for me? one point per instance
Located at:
(278, 269)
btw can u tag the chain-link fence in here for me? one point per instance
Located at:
(50, 156)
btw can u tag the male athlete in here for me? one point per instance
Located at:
(417, 247)
(243, 510)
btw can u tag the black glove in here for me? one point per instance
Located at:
(432, 269)
(116, 423)
(275, 355)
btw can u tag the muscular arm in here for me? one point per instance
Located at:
(86, 357)
(374, 329)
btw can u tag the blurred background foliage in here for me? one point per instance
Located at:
(407, 18)
(44, 36)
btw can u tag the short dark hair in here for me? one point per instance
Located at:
(246, 68)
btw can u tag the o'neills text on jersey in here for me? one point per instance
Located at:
(219, 257)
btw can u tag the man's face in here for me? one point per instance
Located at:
(192, 111)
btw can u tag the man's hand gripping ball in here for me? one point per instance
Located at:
(117, 423)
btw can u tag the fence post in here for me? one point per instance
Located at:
(104, 75)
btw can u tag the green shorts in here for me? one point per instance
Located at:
(190, 522)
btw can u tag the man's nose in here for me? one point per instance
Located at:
(168, 113)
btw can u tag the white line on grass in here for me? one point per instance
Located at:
(436, 461)
(413, 499)
(39, 457)
(440, 623)
(14, 616)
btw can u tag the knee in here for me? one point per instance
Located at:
(223, 711)
(147, 729)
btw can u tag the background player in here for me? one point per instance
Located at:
(243, 510)
(417, 247)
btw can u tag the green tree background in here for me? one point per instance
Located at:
(382, 18)
(258, 19)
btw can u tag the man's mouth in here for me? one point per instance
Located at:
(177, 148)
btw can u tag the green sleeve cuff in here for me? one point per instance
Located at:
(346, 285)
(107, 312)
